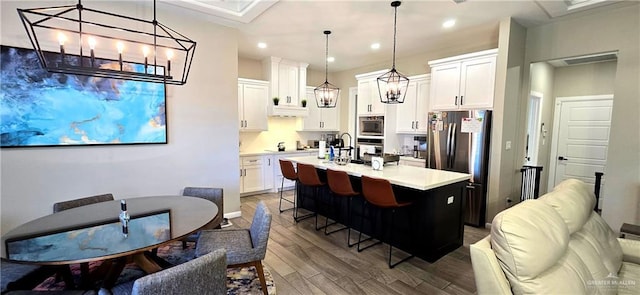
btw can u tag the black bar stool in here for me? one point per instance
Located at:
(308, 177)
(340, 186)
(379, 193)
(289, 173)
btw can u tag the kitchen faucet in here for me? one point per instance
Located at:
(342, 145)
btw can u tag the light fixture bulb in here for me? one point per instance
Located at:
(145, 51)
(92, 43)
(262, 45)
(61, 38)
(169, 54)
(120, 46)
(331, 59)
(375, 46)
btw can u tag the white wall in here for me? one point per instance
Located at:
(615, 29)
(202, 132)
(542, 81)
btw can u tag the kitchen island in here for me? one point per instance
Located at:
(432, 227)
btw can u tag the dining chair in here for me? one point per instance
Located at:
(17, 276)
(66, 205)
(215, 195)
(379, 193)
(205, 275)
(245, 247)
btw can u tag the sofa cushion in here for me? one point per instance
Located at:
(572, 201)
(629, 279)
(531, 242)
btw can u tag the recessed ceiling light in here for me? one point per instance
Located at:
(331, 59)
(449, 23)
(262, 45)
(375, 46)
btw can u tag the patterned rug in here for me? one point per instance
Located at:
(239, 280)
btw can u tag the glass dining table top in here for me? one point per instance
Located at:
(94, 232)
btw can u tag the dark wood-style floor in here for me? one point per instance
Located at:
(305, 261)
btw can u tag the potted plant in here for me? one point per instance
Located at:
(276, 100)
(304, 103)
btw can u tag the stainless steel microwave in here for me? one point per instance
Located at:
(371, 126)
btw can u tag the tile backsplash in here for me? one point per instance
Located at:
(280, 129)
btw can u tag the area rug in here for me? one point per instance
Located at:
(239, 280)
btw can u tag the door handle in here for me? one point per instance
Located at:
(456, 100)
(561, 158)
(413, 124)
(461, 96)
(416, 124)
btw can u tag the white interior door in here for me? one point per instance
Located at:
(581, 137)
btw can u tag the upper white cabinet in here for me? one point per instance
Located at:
(253, 97)
(319, 119)
(369, 103)
(411, 116)
(463, 82)
(288, 80)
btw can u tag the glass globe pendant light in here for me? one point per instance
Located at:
(392, 86)
(326, 94)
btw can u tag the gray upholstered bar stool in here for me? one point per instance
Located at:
(379, 193)
(288, 172)
(340, 186)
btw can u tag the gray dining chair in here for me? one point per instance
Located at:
(215, 195)
(204, 275)
(16, 276)
(245, 247)
(66, 205)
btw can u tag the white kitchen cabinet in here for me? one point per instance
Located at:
(411, 116)
(267, 171)
(253, 98)
(251, 174)
(369, 103)
(319, 119)
(463, 82)
(288, 80)
(277, 172)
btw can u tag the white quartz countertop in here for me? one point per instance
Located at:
(407, 176)
(272, 152)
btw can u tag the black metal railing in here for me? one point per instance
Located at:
(530, 186)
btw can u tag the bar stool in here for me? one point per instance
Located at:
(340, 185)
(289, 173)
(379, 193)
(308, 176)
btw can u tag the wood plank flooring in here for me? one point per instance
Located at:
(305, 261)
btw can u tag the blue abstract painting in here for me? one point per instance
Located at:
(39, 108)
(94, 241)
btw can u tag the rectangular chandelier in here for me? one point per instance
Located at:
(73, 39)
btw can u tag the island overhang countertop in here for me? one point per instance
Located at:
(406, 176)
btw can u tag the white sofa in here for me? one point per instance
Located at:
(556, 244)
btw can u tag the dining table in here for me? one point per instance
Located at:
(95, 233)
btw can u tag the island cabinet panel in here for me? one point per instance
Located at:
(432, 227)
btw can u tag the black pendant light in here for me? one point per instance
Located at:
(392, 86)
(326, 94)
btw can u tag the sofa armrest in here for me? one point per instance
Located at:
(630, 250)
(490, 278)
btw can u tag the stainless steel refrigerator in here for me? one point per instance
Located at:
(459, 141)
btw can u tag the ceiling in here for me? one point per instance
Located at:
(294, 29)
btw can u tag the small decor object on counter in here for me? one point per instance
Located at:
(377, 163)
(276, 100)
(331, 153)
(343, 157)
(322, 149)
(124, 218)
(281, 146)
(304, 103)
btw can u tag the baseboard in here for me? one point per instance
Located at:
(234, 214)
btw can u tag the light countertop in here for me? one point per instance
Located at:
(273, 152)
(407, 176)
